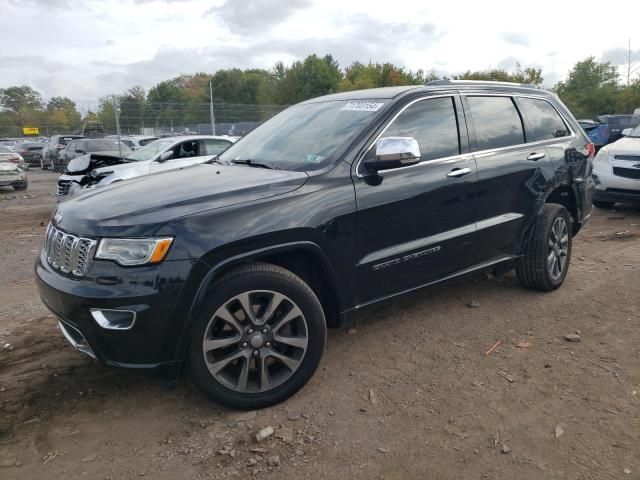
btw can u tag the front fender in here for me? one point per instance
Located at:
(205, 274)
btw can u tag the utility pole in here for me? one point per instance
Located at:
(213, 119)
(117, 115)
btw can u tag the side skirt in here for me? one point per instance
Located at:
(347, 316)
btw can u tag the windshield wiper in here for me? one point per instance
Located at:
(253, 163)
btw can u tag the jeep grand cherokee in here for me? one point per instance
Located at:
(234, 269)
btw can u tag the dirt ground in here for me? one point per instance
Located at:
(407, 393)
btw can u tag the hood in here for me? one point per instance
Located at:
(625, 146)
(140, 206)
(86, 163)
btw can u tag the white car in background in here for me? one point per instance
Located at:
(96, 170)
(616, 171)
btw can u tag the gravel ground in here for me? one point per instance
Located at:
(408, 392)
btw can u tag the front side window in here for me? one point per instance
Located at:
(542, 120)
(432, 122)
(186, 150)
(496, 122)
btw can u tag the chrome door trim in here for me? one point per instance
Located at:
(404, 248)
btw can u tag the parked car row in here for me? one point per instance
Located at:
(90, 169)
(607, 129)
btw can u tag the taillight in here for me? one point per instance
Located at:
(61, 146)
(14, 159)
(591, 148)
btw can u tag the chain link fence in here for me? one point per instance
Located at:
(142, 118)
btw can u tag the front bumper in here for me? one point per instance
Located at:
(8, 180)
(151, 292)
(613, 188)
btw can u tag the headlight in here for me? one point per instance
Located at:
(603, 156)
(133, 251)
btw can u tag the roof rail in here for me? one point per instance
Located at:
(480, 82)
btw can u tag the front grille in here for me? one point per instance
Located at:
(63, 187)
(68, 253)
(632, 158)
(627, 172)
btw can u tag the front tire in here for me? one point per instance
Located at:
(258, 339)
(547, 253)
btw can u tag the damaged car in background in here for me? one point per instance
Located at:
(11, 175)
(95, 170)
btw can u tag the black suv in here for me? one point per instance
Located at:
(234, 269)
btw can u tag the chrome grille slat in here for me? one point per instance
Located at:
(68, 253)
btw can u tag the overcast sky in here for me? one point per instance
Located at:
(85, 49)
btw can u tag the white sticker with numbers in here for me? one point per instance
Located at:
(362, 106)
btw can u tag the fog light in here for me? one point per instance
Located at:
(114, 319)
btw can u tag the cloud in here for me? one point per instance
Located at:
(508, 63)
(619, 56)
(247, 16)
(516, 38)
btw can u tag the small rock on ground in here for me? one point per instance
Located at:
(573, 337)
(264, 434)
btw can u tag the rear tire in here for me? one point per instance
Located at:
(547, 253)
(603, 205)
(255, 360)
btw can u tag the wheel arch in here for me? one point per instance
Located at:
(566, 196)
(306, 259)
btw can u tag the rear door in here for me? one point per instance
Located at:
(416, 224)
(512, 175)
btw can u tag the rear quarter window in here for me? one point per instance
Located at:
(542, 121)
(496, 122)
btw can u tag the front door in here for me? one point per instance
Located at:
(417, 223)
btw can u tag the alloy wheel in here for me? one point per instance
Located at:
(558, 248)
(255, 341)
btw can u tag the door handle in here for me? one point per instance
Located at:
(459, 172)
(536, 156)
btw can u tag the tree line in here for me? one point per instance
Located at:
(591, 88)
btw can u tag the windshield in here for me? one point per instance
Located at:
(105, 145)
(305, 137)
(635, 133)
(151, 151)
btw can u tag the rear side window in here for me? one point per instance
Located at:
(542, 120)
(432, 122)
(496, 122)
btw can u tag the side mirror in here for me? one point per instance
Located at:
(165, 156)
(626, 132)
(393, 152)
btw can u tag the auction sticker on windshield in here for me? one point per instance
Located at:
(362, 106)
